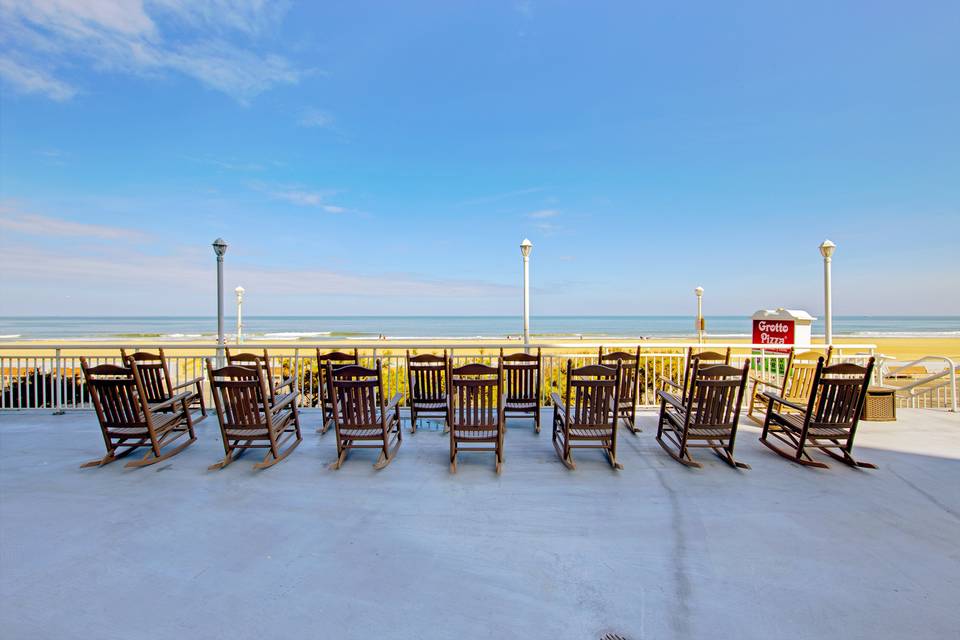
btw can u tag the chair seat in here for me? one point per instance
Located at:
(516, 404)
(429, 405)
(476, 434)
(591, 432)
(162, 422)
(794, 422)
(361, 432)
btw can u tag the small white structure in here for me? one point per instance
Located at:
(782, 326)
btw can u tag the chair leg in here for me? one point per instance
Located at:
(227, 459)
(536, 420)
(612, 459)
(564, 451)
(389, 451)
(342, 455)
(99, 462)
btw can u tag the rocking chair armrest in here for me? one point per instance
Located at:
(283, 401)
(172, 400)
(291, 381)
(188, 383)
(766, 383)
(670, 399)
(672, 383)
(774, 397)
(557, 400)
(394, 401)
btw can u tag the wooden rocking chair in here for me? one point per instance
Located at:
(705, 358)
(157, 382)
(708, 418)
(522, 385)
(795, 386)
(585, 418)
(829, 420)
(249, 417)
(427, 390)
(475, 414)
(128, 421)
(361, 417)
(629, 383)
(324, 391)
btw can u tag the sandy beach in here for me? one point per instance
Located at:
(901, 349)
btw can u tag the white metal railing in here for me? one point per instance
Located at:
(49, 376)
(925, 390)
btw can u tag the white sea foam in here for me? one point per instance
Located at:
(10, 336)
(290, 335)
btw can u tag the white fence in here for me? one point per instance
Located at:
(50, 376)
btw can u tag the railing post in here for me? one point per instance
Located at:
(57, 402)
(296, 372)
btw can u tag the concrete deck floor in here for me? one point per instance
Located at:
(654, 551)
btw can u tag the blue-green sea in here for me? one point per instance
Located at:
(340, 328)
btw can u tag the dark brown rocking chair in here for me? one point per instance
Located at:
(679, 389)
(585, 418)
(128, 421)
(629, 383)
(828, 421)
(157, 382)
(708, 418)
(324, 390)
(522, 385)
(476, 410)
(427, 389)
(249, 417)
(361, 417)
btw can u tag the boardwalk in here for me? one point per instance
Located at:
(654, 551)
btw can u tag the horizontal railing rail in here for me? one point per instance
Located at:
(49, 376)
(936, 388)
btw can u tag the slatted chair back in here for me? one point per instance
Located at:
(241, 396)
(336, 359)
(716, 394)
(475, 396)
(120, 402)
(521, 376)
(629, 374)
(357, 394)
(592, 394)
(840, 393)
(800, 372)
(704, 358)
(426, 375)
(251, 360)
(154, 373)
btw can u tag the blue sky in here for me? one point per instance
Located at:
(387, 158)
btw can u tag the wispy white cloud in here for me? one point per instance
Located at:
(43, 37)
(300, 197)
(543, 213)
(315, 118)
(501, 196)
(303, 197)
(13, 220)
(35, 80)
(187, 273)
(230, 164)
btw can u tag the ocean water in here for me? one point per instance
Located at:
(341, 328)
